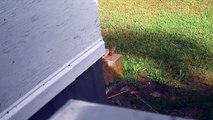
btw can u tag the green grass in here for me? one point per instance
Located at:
(167, 41)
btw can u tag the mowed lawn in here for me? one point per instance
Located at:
(168, 41)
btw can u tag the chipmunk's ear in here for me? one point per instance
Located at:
(111, 51)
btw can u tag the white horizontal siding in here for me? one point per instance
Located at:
(38, 39)
(45, 91)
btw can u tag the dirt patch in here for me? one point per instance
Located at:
(151, 96)
(175, 10)
(159, 1)
(197, 10)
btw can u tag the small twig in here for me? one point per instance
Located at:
(117, 94)
(145, 102)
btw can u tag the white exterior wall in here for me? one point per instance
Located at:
(40, 42)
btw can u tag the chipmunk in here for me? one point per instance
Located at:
(111, 72)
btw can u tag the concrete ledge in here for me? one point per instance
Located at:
(79, 110)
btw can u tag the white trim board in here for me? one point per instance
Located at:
(30, 103)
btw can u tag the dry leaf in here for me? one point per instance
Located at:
(155, 94)
(125, 88)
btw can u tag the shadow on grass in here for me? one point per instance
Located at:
(180, 58)
(176, 55)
